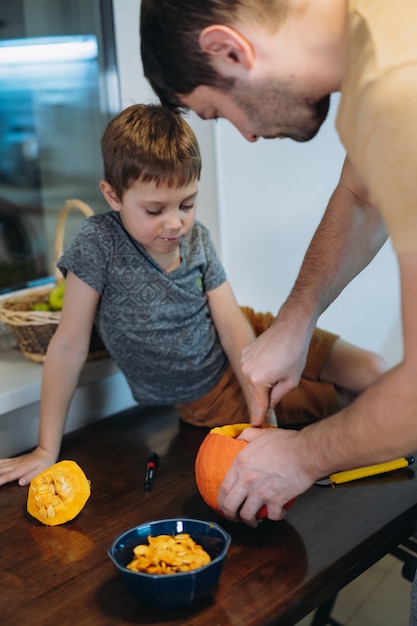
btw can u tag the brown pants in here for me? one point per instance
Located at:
(311, 400)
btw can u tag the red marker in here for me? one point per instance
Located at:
(151, 466)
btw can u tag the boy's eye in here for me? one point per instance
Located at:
(183, 207)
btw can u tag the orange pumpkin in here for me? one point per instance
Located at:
(214, 459)
(58, 494)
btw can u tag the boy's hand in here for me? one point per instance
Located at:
(23, 468)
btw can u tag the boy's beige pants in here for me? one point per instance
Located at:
(310, 401)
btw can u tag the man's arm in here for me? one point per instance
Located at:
(348, 237)
(380, 425)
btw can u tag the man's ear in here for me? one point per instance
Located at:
(110, 195)
(227, 48)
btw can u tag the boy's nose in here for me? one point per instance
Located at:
(173, 220)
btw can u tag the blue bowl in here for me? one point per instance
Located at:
(172, 591)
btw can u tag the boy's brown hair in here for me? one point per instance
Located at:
(172, 59)
(147, 142)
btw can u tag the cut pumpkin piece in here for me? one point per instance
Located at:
(58, 494)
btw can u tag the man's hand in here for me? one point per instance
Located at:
(273, 365)
(267, 471)
(23, 468)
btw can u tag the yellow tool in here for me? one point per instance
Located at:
(364, 472)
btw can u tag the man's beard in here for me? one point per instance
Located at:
(274, 111)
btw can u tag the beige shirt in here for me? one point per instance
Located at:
(377, 118)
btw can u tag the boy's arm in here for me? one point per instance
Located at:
(233, 329)
(66, 355)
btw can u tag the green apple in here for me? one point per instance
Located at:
(40, 306)
(56, 297)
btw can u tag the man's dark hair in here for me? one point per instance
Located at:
(173, 61)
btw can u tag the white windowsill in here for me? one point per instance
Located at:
(102, 391)
(20, 378)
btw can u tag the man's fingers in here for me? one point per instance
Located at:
(279, 390)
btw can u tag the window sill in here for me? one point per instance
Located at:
(20, 378)
(102, 390)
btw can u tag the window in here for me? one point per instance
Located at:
(58, 89)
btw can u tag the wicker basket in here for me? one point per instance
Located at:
(34, 329)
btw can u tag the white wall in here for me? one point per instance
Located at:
(272, 196)
(263, 205)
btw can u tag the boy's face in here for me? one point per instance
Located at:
(156, 217)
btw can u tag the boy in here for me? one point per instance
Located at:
(148, 275)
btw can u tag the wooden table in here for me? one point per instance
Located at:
(275, 574)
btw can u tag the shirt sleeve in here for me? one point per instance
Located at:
(387, 131)
(214, 272)
(85, 256)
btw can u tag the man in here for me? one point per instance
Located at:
(269, 67)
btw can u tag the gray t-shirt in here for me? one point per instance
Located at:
(156, 325)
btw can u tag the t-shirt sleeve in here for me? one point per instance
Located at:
(214, 272)
(387, 132)
(85, 257)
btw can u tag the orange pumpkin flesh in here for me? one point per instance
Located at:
(58, 494)
(214, 459)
